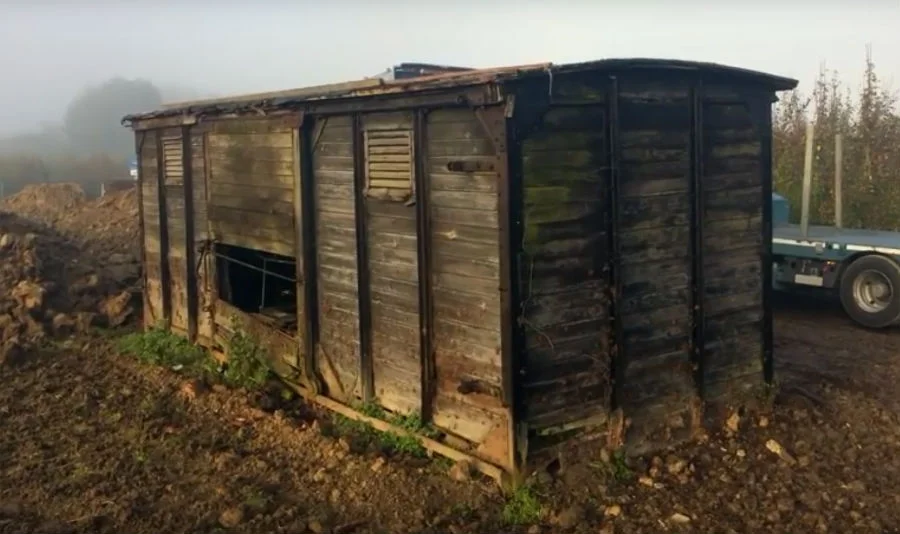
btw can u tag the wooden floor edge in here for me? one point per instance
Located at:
(499, 475)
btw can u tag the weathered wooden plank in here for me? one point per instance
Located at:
(218, 141)
(266, 192)
(635, 115)
(656, 244)
(443, 180)
(335, 205)
(654, 212)
(453, 148)
(472, 217)
(387, 121)
(582, 161)
(334, 176)
(339, 342)
(220, 204)
(722, 305)
(255, 243)
(251, 171)
(249, 126)
(283, 224)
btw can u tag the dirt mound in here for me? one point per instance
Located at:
(46, 203)
(50, 287)
(105, 227)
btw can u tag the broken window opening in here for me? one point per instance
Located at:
(260, 283)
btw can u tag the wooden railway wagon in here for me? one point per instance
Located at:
(522, 256)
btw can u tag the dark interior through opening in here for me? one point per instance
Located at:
(259, 283)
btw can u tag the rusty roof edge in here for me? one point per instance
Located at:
(377, 87)
(313, 90)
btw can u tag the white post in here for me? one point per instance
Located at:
(807, 179)
(838, 179)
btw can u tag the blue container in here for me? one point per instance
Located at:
(781, 210)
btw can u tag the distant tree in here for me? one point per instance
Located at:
(93, 119)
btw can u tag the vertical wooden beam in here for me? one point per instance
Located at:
(423, 251)
(165, 276)
(210, 257)
(697, 207)
(618, 357)
(494, 122)
(297, 143)
(189, 232)
(518, 123)
(140, 139)
(367, 372)
(764, 110)
(838, 181)
(308, 140)
(807, 179)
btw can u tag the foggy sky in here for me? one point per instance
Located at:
(51, 49)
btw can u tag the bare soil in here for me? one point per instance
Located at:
(66, 264)
(92, 441)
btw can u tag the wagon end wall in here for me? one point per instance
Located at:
(641, 269)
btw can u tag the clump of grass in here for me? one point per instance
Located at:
(247, 366)
(160, 347)
(390, 442)
(618, 467)
(522, 506)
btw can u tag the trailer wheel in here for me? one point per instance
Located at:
(870, 291)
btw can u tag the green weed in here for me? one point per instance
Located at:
(391, 442)
(247, 365)
(618, 467)
(159, 347)
(522, 506)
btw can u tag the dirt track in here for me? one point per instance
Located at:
(93, 441)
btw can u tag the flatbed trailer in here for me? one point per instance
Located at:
(861, 266)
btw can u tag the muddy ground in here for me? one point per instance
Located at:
(92, 440)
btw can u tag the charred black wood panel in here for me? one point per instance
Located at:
(698, 317)
(564, 262)
(735, 242)
(655, 230)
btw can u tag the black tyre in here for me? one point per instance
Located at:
(870, 291)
